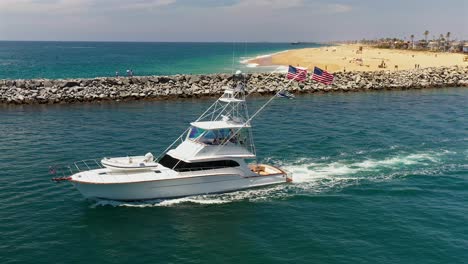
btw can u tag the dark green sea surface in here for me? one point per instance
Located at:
(36, 59)
(380, 177)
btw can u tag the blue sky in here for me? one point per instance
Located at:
(229, 20)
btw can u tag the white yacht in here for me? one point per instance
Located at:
(211, 157)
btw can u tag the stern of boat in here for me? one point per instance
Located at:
(270, 170)
(289, 176)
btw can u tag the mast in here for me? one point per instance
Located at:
(247, 122)
(231, 107)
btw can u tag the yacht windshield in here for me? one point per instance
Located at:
(212, 137)
(195, 133)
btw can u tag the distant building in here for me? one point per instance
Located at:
(422, 44)
(433, 46)
(465, 48)
(456, 46)
(440, 45)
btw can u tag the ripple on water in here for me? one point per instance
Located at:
(373, 173)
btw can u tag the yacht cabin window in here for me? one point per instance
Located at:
(212, 137)
(181, 166)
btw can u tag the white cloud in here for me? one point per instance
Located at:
(269, 4)
(146, 5)
(46, 7)
(338, 8)
(313, 7)
(218, 20)
(43, 7)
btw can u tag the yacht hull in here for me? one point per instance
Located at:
(173, 188)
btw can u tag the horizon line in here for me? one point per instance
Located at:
(149, 41)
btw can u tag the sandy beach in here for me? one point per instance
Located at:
(349, 58)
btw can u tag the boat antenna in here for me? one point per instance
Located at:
(233, 50)
(215, 103)
(254, 115)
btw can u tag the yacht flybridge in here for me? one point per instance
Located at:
(210, 158)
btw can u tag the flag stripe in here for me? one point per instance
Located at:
(297, 74)
(322, 76)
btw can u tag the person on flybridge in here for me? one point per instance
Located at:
(238, 81)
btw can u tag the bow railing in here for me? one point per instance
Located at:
(63, 172)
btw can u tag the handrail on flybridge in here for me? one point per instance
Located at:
(238, 130)
(253, 116)
(259, 110)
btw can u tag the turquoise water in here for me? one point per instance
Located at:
(26, 60)
(380, 177)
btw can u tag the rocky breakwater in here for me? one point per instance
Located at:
(42, 91)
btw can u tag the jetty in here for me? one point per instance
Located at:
(55, 91)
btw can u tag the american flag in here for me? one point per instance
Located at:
(322, 76)
(297, 74)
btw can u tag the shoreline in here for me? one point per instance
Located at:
(68, 60)
(357, 57)
(57, 91)
(262, 61)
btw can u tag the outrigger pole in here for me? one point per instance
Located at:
(245, 123)
(249, 93)
(203, 115)
(255, 114)
(175, 141)
(264, 105)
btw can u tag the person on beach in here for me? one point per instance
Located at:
(131, 72)
(116, 74)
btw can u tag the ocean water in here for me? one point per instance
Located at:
(379, 177)
(27, 60)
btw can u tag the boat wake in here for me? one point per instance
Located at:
(305, 171)
(159, 202)
(310, 177)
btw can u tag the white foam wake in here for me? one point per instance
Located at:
(159, 203)
(250, 195)
(304, 171)
(308, 176)
(251, 65)
(263, 56)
